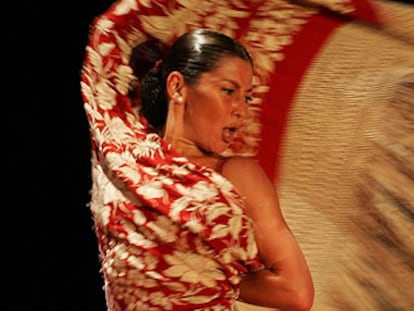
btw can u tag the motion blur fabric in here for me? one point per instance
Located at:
(331, 123)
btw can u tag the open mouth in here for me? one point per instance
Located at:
(229, 134)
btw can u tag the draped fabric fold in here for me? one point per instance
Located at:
(173, 235)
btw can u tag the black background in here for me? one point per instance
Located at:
(49, 250)
(49, 255)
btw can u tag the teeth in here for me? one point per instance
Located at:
(228, 134)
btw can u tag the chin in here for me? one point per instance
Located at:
(222, 148)
(215, 149)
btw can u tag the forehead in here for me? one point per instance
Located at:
(234, 63)
(231, 68)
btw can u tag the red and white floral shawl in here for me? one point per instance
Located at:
(173, 235)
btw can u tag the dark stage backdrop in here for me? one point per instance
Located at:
(49, 254)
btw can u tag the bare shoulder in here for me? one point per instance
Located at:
(240, 165)
(245, 173)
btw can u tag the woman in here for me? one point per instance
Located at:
(181, 227)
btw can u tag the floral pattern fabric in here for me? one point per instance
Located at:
(173, 235)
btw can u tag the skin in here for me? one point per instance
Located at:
(286, 283)
(206, 117)
(198, 122)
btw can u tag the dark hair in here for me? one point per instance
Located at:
(192, 54)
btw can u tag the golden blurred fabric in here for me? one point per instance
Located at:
(347, 167)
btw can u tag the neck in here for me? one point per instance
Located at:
(191, 151)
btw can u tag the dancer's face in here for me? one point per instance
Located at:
(217, 105)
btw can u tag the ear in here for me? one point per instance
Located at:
(176, 87)
(177, 91)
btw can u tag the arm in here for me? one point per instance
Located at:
(286, 282)
(115, 129)
(106, 73)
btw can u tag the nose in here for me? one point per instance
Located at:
(240, 108)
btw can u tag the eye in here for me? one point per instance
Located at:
(247, 99)
(228, 91)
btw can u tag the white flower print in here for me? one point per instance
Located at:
(105, 48)
(139, 239)
(178, 206)
(202, 191)
(138, 217)
(148, 147)
(138, 278)
(105, 95)
(216, 210)
(104, 25)
(159, 299)
(125, 6)
(222, 182)
(177, 170)
(233, 253)
(165, 230)
(119, 130)
(235, 225)
(124, 75)
(194, 225)
(110, 193)
(152, 189)
(131, 172)
(193, 268)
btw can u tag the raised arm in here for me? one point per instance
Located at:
(286, 283)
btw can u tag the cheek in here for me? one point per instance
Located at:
(207, 110)
(203, 109)
(203, 122)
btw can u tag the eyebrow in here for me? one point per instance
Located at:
(236, 85)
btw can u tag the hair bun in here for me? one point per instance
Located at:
(145, 56)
